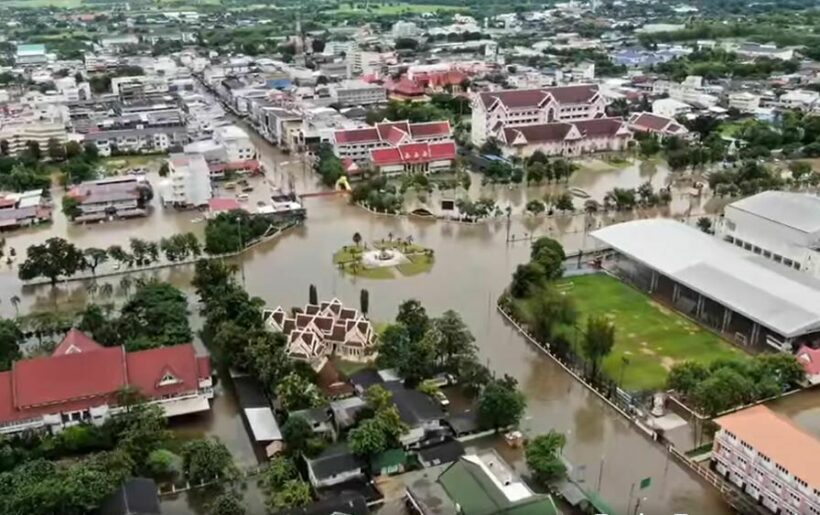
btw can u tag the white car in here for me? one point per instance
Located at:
(442, 399)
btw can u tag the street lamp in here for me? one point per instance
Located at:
(638, 505)
(241, 248)
(624, 363)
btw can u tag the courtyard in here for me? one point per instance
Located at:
(651, 337)
(385, 259)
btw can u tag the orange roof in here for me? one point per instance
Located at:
(779, 439)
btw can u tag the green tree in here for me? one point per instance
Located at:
(597, 342)
(368, 438)
(203, 460)
(364, 301)
(705, 224)
(296, 433)
(722, 390)
(550, 255)
(73, 149)
(56, 150)
(292, 494)
(10, 339)
(535, 207)
(685, 377)
(451, 341)
(296, 393)
(227, 503)
(414, 318)
(278, 471)
(782, 367)
(564, 202)
(94, 257)
(500, 405)
(357, 239)
(158, 312)
(160, 464)
(52, 259)
(71, 207)
(543, 456)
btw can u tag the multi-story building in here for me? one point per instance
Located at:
(117, 197)
(657, 124)
(670, 108)
(32, 54)
(414, 158)
(780, 226)
(19, 132)
(802, 99)
(136, 139)
(565, 139)
(356, 144)
(139, 86)
(744, 101)
(357, 92)
(771, 459)
(495, 109)
(188, 183)
(80, 381)
(236, 142)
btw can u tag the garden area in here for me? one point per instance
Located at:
(650, 339)
(385, 259)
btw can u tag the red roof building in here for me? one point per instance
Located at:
(357, 144)
(809, 359)
(80, 381)
(405, 90)
(493, 110)
(656, 124)
(565, 139)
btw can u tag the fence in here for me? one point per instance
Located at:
(168, 489)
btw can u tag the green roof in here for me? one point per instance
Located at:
(476, 493)
(31, 49)
(388, 458)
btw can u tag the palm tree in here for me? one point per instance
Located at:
(390, 236)
(15, 301)
(357, 239)
(125, 284)
(92, 288)
(106, 290)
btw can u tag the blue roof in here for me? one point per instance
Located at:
(279, 83)
(31, 49)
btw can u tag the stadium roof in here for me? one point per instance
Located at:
(785, 301)
(799, 211)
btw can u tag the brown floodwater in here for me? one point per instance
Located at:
(473, 265)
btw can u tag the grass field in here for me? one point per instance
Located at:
(345, 258)
(650, 336)
(395, 8)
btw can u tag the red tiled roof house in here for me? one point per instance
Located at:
(565, 139)
(80, 381)
(493, 110)
(656, 124)
(393, 147)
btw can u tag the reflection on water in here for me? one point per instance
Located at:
(473, 265)
(802, 408)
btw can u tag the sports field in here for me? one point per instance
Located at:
(651, 337)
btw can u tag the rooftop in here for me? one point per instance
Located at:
(779, 439)
(799, 211)
(786, 301)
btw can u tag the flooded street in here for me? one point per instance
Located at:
(473, 265)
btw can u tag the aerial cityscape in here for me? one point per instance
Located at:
(450, 257)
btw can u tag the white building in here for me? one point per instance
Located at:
(744, 101)
(780, 226)
(236, 142)
(188, 183)
(18, 133)
(802, 99)
(404, 29)
(31, 55)
(495, 109)
(670, 108)
(357, 92)
(772, 460)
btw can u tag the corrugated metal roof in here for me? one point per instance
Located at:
(799, 211)
(773, 296)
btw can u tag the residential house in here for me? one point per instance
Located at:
(357, 144)
(346, 503)
(258, 414)
(744, 101)
(345, 411)
(670, 108)
(335, 465)
(656, 124)
(420, 413)
(188, 183)
(801, 99)
(476, 484)
(445, 452)
(79, 383)
(769, 458)
(493, 110)
(320, 420)
(389, 462)
(324, 329)
(565, 138)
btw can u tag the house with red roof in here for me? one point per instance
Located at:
(493, 110)
(80, 381)
(405, 90)
(356, 144)
(656, 124)
(568, 139)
